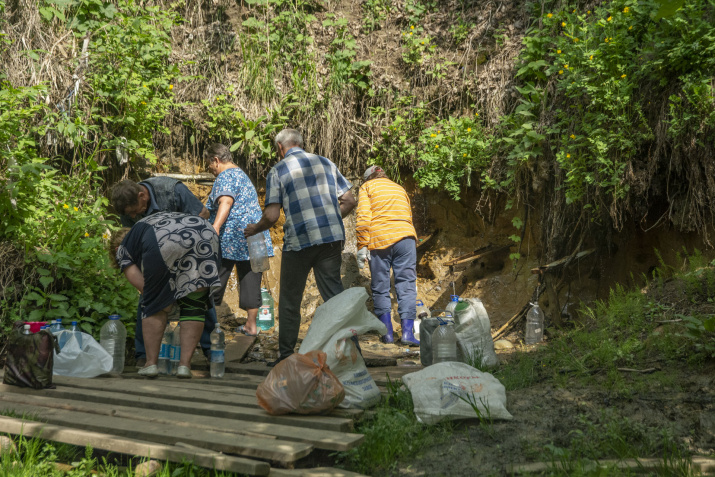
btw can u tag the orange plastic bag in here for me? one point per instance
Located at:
(301, 383)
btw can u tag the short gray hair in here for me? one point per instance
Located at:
(289, 137)
(218, 150)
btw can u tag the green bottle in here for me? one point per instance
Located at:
(266, 313)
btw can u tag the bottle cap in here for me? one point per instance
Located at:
(419, 303)
(454, 297)
(114, 317)
(73, 323)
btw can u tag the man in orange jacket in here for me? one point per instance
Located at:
(386, 237)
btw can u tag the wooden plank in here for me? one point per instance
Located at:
(699, 462)
(321, 439)
(198, 408)
(270, 449)
(316, 472)
(238, 348)
(132, 447)
(477, 254)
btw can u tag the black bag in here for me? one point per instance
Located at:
(30, 358)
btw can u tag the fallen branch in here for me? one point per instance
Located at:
(644, 371)
(670, 321)
(512, 321)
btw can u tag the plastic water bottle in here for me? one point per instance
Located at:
(113, 338)
(165, 351)
(534, 325)
(258, 253)
(453, 302)
(175, 352)
(421, 314)
(76, 333)
(218, 362)
(444, 343)
(56, 326)
(26, 329)
(266, 313)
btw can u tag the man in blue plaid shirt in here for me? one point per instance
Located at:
(315, 197)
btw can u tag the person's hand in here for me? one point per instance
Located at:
(363, 255)
(251, 229)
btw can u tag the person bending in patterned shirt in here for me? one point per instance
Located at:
(233, 204)
(315, 197)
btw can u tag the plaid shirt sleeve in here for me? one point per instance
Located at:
(342, 183)
(273, 188)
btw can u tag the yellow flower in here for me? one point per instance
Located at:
(549, 15)
(574, 11)
(171, 86)
(436, 146)
(412, 27)
(433, 135)
(410, 33)
(75, 209)
(144, 103)
(588, 12)
(469, 129)
(630, 27)
(86, 234)
(105, 236)
(609, 19)
(572, 136)
(439, 131)
(590, 57)
(145, 86)
(563, 24)
(476, 114)
(558, 51)
(575, 40)
(606, 40)
(566, 67)
(623, 76)
(626, 10)
(561, 72)
(66, 206)
(568, 155)
(423, 42)
(464, 155)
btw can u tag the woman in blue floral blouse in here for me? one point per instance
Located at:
(233, 204)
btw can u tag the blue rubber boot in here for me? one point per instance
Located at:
(408, 337)
(387, 321)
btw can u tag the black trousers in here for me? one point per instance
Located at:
(325, 261)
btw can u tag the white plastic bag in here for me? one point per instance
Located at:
(436, 392)
(334, 324)
(88, 362)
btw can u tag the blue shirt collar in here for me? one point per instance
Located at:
(293, 150)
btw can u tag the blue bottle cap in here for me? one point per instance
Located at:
(419, 303)
(74, 323)
(454, 297)
(114, 317)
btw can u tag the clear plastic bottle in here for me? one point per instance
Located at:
(534, 325)
(175, 353)
(266, 313)
(76, 333)
(56, 326)
(258, 253)
(444, 343)
(453, 302)
(26, 330)
(113, 338)
(165, 350)
(218, 364)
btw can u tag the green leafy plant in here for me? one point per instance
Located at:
(376, 12)
(344, 69)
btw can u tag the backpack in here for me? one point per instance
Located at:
(29, 358)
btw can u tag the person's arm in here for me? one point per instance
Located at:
(135, 277)
(270, 216)
(363, 219)
(347, 203)
(205, 214)
(225, 202)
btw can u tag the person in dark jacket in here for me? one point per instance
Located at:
(135, 201)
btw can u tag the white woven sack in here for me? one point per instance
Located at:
(436, 392)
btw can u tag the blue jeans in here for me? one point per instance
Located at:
(402, 258)
(209, 325)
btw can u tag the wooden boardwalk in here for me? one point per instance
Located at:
(217, 423)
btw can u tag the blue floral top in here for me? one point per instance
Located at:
(245, 210)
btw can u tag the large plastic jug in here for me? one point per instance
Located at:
(474, 334)
(453, 301)
(266, 313)
(217, 366)
(427, 327)
(534, 325)
(444, 343)
(113, 338)
(258, 253)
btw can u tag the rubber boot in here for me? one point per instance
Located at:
(387, 321)
(408, 337)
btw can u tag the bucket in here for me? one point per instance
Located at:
(35, 325)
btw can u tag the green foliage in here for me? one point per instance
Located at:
(459, 30)
(417, 47)
(343, 69)
(57, 220)
(376, 12)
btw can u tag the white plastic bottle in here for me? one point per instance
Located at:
(175, 353)
(218, 362)
(26, 329)
(165, 350)
(76, 333)
(444, 343)
(258, 253)
(56, 326)
(534, 325)
(113, 338)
